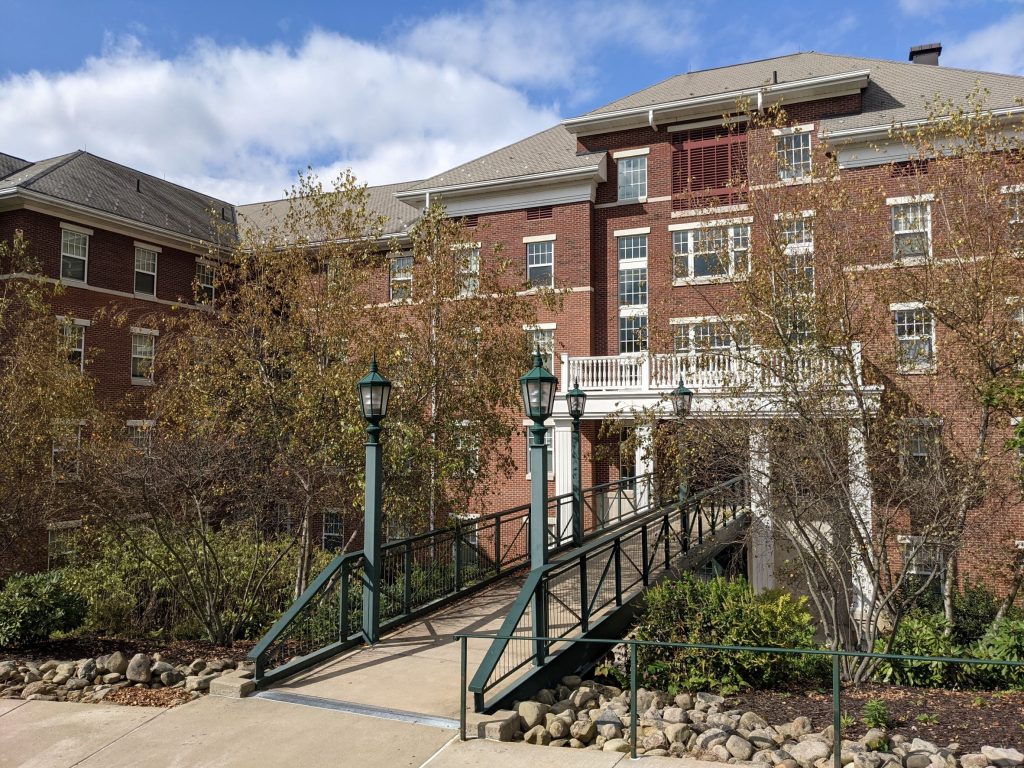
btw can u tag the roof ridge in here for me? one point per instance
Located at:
(368, 188)
(63, 160)
(938, 67)
(155, 178)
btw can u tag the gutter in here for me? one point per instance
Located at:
(650, 111)
(508, 181)
(883, 131)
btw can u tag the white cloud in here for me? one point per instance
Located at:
(240, 121)
(998, 47)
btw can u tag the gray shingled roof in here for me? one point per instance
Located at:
(108, 187)
(897, 92)
(9, 164)
(551, 150)
(381, 200)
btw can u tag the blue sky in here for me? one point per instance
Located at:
(235, 98)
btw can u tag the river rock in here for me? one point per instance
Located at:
(808, 752)
(36, 688)
(712, 737)
(572, 681)
(973, 760)
(917, 760)
(655, 740)
(674, 715)
(583, 730)
(739, 747)
(139, 669)
(532, 714)
(538, 734)
(558, 728)
(76, 683)
(751, 721)
(1003, 758)
(545, 696)
(616, 745)
(117, 662)
(677, 733)
(197, 666)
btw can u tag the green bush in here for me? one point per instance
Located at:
(875, 714)
(1005, 641)
(922, 634)
(722, 612)
(35, 606)
(974, 610)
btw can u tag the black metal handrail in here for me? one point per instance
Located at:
(579, 586)
(418, 574)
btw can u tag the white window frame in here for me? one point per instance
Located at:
(631, 164)
(67, 323)
(56, 534)
(469, 269)
(207, 291)
(549, 445)
(632, 312)
(403, 277)
(689, 326)
(77, 232)
(143, 333)
(786, 151)
(337, 526)
(1015, 202)
(897, 203)
(542, 247)
(548, 347)
(902, 365)
(688, 234)
(146, 250)
(57, 449)
(140, 434)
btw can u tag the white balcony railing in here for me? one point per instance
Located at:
(749, 371)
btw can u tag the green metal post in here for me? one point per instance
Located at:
(462, 688)
(343, 605)
(407, 578)
(497, 545)
(633, 714)
(458, 555)
(577, 486)
(837, 740)
(371, 537)
(539, 532)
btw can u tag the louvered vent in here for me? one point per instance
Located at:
(709, 166)
(542, 212)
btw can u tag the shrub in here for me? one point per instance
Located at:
(921, 635)
(34, 607)
(722, 612)
(974, 610)
(876, 714)
(1004, 640)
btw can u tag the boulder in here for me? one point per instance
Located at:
(532, 714)
(712, 737)
(198, 682)
(159, 667)
(111, 677)
(583, 696)
(674, 715)
(48, 666)
(875, 739)
(117, 662)
(59, 678)
(616, 745)
(1002, 758)
(86, 668)
(684, 701)
(558, 728)
(706, 700)
(572, 681)
(866, 760)
(197, 666)
(763, 756)
(739, 747)
(917, 760)
(807, 753)
(583, 730)
(36, 688)
(576, 744)
(920, 745)
(173, 677)
(76, 683)
(719, 753)
(677, 733)
(656, 740)
(751, 721)
(545, 696)
(973, 760)
(139, 669)
(538, 734)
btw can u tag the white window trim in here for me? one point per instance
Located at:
(145, 331)
(76, 228)
(148, 246)
(141, 381)
(796, 130)
(906, 199)
(73, 320)
(638, 310)
(631, 153)
(690, 322)
(540, 327)
(148, 423)
(790, 215)
(710, 224)
(916, 370)
(731, 275)
(155, 272)
(83, 324)
(627, 155)
(792, 129)
(631, 232)
(539, 238)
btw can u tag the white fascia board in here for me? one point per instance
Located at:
(873, 132)
(74, 320)
(599, 169)
(793, 91)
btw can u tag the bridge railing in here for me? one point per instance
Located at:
(422, 572)
(601, 575)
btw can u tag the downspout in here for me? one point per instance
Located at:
(650, 119)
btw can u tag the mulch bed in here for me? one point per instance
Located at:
(173, 651)
(969, 718)
(147, 697)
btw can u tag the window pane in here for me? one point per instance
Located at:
(145, 283)
(72, 268)
(794, 155)
(632, 247)
(632, 173)
(633, 287)
(540, 260)
(632, 334)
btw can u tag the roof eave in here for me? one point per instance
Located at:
(458, 190)
(719, 103)
(884, 131)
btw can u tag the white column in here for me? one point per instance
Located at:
(563, 474)
(762, 539)
(644, 463)
(860, 512)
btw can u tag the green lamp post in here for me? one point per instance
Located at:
(576, 399)
(374, 392)
(682, 402)
(538, 388)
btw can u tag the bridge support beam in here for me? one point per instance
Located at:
(762, 534)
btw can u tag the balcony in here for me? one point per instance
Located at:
(723, 376)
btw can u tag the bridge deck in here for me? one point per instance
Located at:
(415, 668)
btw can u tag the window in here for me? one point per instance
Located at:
(924, 561)
(140, 435)
(540, 263)
(633, 287)
(333, 535)
(206, 275)
(469, 271)
(793, 153)
(145, 271)
(632, 247)
(710, 335)
(915, 338)
(74, 342)
(61, 539)
(549, 449)
(74, 255)
(922, 441)
(1015, 205)
(797, 237)
(710, 252)
(65, 452)
(709, 166)
(469, 538)
(401, 277)
(143, 355)
(632, 175)
(911, 230)
(632, 334)
(544, 340)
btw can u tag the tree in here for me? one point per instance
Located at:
(44, 400)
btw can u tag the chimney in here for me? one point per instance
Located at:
(926, 54)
